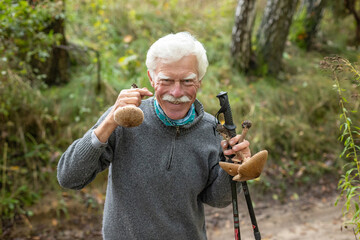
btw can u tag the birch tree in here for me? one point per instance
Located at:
(272, 34)
(241, 34)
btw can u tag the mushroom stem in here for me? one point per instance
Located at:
(246, 125)
(239, 155)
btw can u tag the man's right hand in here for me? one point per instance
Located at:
(126, 97)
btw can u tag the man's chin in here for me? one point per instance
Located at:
(175, 116)
(176, 111)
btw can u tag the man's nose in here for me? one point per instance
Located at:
(177, 90)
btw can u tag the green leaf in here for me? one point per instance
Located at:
(347, 141)
(356, 214)
(343, 152)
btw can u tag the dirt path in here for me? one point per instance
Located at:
(308, 218)
(314, 219)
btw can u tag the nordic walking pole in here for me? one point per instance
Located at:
(229, 125)
(251, 211)
(260, 158)
(246, 125)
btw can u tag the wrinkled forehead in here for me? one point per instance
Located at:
(185, 65)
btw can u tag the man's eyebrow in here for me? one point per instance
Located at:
(192, 76)
(162, 76)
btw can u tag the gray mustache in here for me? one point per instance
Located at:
(175, 100)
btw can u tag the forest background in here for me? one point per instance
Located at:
(62, 64)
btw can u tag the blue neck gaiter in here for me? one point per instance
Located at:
(170, 122)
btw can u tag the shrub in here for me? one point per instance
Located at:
(342, 69)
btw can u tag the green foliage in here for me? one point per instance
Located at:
(25, 34)
(341, 68)
(297, 33)
(293, 115)
(27, 155)
(123, 32)
(36, 124)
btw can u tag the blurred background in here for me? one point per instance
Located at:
(290, 67)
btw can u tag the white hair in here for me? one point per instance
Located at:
(172, 48)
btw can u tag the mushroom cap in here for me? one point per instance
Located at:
(250, 169)
(129, 116)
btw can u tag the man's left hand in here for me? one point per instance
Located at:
(236, 147)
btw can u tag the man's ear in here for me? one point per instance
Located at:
(198, 85)
(150, 79)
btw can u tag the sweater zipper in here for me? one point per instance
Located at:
(173, 145)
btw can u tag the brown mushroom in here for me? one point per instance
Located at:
(250, 169)
(130, 115)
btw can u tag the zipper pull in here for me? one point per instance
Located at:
(177, 130)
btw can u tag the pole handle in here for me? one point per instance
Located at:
(226, 110)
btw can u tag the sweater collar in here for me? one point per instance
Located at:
(199, 110)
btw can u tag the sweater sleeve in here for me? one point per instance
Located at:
(218, 190)
(83, 160)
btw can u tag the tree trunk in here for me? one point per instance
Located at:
(338, 10)
(241, 34)
(56, 66)
(57, 73)
(272, 34)
(351, 7)
(314, 12)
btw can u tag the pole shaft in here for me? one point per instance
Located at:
(251, 210)
(235, 210)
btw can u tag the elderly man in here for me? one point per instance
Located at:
(163, 171)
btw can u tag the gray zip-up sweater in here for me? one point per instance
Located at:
(159, 176)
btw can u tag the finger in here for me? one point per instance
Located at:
(234, 140)
(140, 91)
(144, 92)
(229, 152)
(130, 94)
(132, 100)
(241, 146)
(224, 144)
(125, 98)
